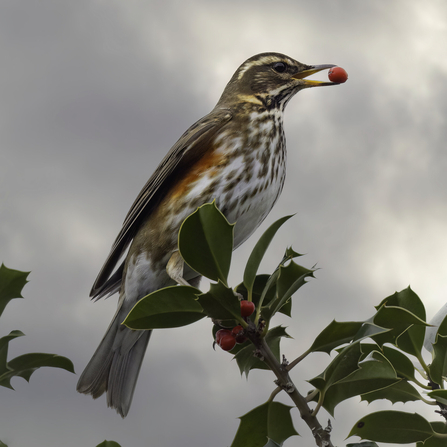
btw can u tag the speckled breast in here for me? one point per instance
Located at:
(245, 172)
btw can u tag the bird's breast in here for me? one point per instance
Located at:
(243, 171)
(250, 174)
(252, 183)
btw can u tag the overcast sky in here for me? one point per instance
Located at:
(94, 93)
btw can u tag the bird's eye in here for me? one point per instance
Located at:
(279, 67)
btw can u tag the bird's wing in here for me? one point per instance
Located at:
(188, 149)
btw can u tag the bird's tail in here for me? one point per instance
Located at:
(115, 365)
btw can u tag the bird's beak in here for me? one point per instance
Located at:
(312, 70)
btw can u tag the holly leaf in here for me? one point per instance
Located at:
(11, 285)
(337, 334)
(206, 242)
(406, 299)
(399, 320)
(439, 428)
(435, 328)
(220, 303)
(439, 395)
(345, 363)
(24, 366)
(261, 282)
(258, 253)
(290, 278)
(269, 289)
(170, 307)
(401, 363)
(401, 391)
(269, 421)
(108, 444)
(373, 373)
(438, 368)
(393, 426)
(4, 345)
(406, 335)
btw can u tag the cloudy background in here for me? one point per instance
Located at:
(94, 93)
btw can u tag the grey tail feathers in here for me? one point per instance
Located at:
(115, 365)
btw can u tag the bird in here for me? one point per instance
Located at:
(235, 156)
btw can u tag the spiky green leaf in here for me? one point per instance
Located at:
(438, 368)
(393, 426)
(398, 320)
(261, 282)
(170, 307)
(406, 335)
(4, 345)
(439, 395)
(11, 285)
(436, 322)
(374, 373)
(434, 441)
(206, 242)
(258, 253)
(401, 363)
(337, 334)
(406, 299)
(108, 444)
(220, 303)
(344, 364)
(24, 366)
(401, 391)
(271, 420)
(290, 278)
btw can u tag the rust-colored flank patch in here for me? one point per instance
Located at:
(207, 164)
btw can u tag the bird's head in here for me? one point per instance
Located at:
(271, 78)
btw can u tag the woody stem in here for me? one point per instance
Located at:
(263, 351)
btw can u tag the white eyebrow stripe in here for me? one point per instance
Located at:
(266, 60)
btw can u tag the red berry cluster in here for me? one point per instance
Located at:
(227, 339)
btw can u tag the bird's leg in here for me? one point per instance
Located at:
(174, 268)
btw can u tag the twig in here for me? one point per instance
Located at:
(297, 360)
(275, 392)
(321, 435)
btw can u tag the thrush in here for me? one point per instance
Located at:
(235, 155)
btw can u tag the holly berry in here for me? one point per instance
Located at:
(247, 308)
(225, 339)
(337, 75)
(227, 342)
(221, 333)
(238, 333)
(237, 329)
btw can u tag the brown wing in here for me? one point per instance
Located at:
(189, 148)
